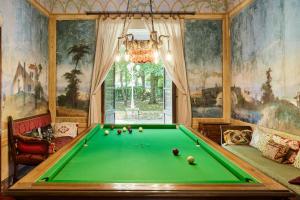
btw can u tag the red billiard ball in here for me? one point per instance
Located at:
(175, 152)
(119, 132)
(112, 127)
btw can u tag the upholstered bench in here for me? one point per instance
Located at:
(28, 150)
(282, 173)
(279, 172)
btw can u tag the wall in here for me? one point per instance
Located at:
(205, 67)
(24, 65)
(265, 43)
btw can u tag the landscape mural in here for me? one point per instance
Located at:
(265, 40)
(203, 57)
(75, 57)
(25, 60)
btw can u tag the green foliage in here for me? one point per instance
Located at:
(203, 42)
(72, 32)
(72, 89)
(142, 105)
(78, 52)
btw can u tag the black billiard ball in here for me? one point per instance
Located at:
(112, 127)
(129, 130)
(119, 132)
(175, 152)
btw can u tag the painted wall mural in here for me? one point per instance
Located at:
(25, 60)
(81, 6)
(203, 57)
(265, 65)
(75, 58)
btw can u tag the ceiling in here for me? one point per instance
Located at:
(82, 6)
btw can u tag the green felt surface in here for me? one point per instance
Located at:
(144, 157)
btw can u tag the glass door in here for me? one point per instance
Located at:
(136, 94)
(168, 99)
(109, 97)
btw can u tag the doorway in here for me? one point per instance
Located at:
(138, 94)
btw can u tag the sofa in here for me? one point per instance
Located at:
(282, 173)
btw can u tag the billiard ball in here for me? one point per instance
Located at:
(190, 160)
(106, 132)
(119, 132)
(112, 127)
(124, 129)
(140, 129)
(175, 152)
(130, 130)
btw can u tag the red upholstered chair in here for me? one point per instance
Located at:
(27, 150)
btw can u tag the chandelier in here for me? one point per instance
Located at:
(138, 47)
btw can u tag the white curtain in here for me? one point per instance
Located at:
(106, 48)
(176, 67)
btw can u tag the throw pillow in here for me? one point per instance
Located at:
(297, 161)
(295, 181)
(65, 129)
(34, 133)
(47, 132)
(237, 136)
(31, 145)
(275, 151)
(294, 146)
(255, 138)
(263, 140)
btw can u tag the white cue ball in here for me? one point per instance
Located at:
(124, 129)
(140, 129)
(190, 159)
(106, 132)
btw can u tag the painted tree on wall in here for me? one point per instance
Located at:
(24, 82)
(266, 88)
(38, 89)
(72, 90)
(75, 58)
(265, 64)
(203, 56)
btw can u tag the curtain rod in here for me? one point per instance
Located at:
(140, 13)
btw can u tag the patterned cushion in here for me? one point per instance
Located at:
(65, 129)
(275, 151)
(294, 146)
(297, 161)
(237, 136)
(255, 138)
(259, 139)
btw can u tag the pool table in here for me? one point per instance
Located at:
(141, 164)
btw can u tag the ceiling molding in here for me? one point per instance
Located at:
(83, 6)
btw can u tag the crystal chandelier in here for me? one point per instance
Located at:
(156, 40)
